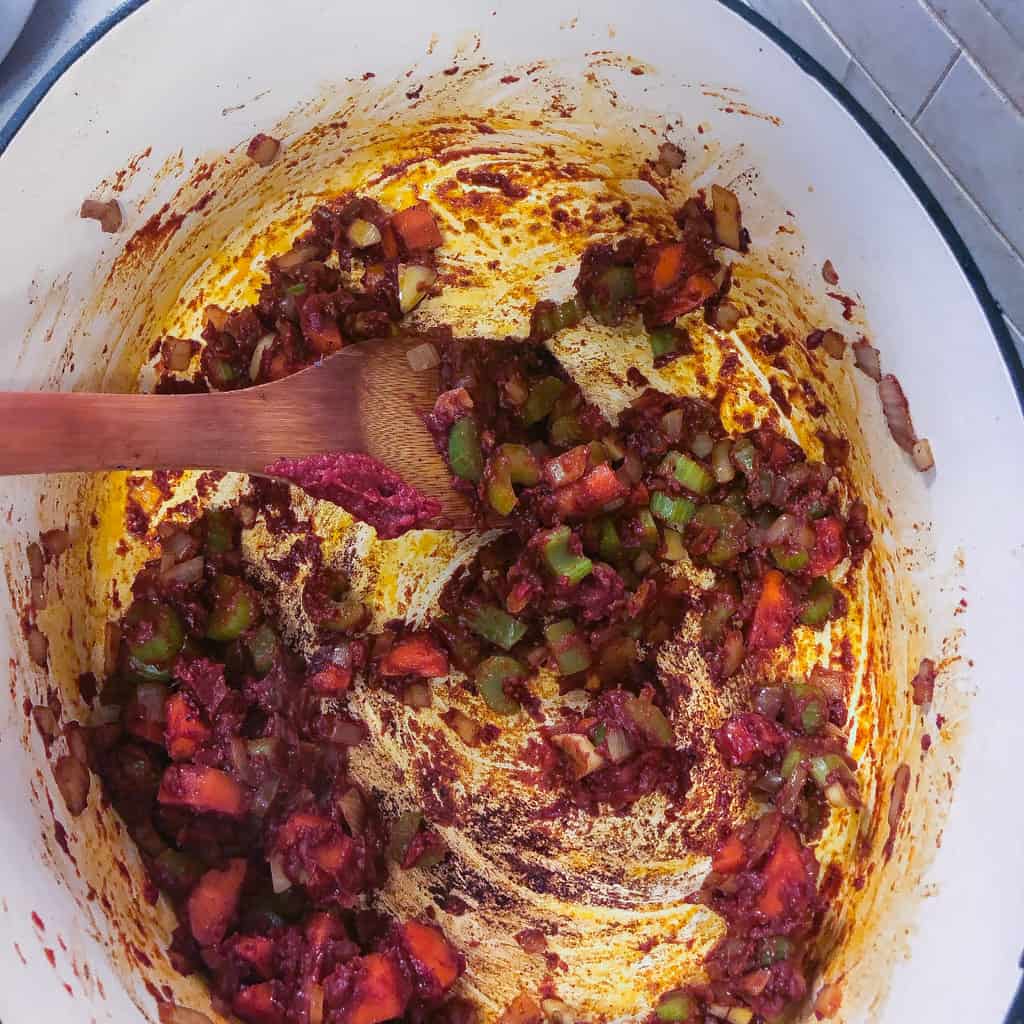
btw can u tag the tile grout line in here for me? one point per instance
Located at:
(971, 59)
(937, 84)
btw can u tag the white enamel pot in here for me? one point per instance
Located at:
(167, 82)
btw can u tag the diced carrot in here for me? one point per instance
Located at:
(213, 902)
(417, 228)
(829, 546)
(522, 1010)
(380, 993)
(319, 327)
(331, 679)
(300, 825)
(774, 615)
(201, 789)
(695, 291)
(333, 855)
(730, 856)
(185, 730)
(258, 1004)
(257, 951)
(416, 655)
(432, 953)
(598, 488)
(660, 267)
(389, 242)
(568, 467)
(785, 876)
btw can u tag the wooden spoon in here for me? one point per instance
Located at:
(366, 398)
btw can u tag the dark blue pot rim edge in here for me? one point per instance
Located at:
(811, 67)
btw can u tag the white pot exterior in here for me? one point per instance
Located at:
(167, 77)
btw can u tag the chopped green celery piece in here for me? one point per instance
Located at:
(820, 599)
(522, 465)
(609, 545)
(731, 530)
(164, 634)
(495, 625)
(790, 762)
(262, 646)
(790, 561)
(500, 494)
(672, 548)
(551, 317)
(563, 562)
(141, 672)
(464, 453)
(676, 1006)
(234, 609)
(690, 473)
(650, 720)
(566, 430)
(743, 454)
(774, 949)
(221, 372)
(824, 765)
(541, 399)
(571, 653)
(615, 285)
(597, 454)
(663, 340)
(677, 512)
(812, 718)
(598, 734)
(296, 289)
(219, 531)
(647, 537)
(491, 676)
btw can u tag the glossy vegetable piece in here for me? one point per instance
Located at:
(214, 901)
(594, 493)
(417, 228)
(259, 1004)
(541, 399)
(820, 599)
(730, 857)
(774, 614)
(256, 951)
(676, 1006)
(432, 955)
(570, 651)
(790, 559)
(185, 730)
(725, 209)
(495, 625)
(568, 467)
(523, 467)
(234, 610)
(675, 512)
(464, 454)
(262, 644)
(690, 473)
(551, 317)
(220, 531)
(562, 560)
(334, 606)
(650, 720)
(609, 542)
(615, 287)
(380, 993)
(510, 464)
(492, 675)
(732, 532)
(201, 789)
(664, 342)
(829, 545)
(418, 654)
(153, 632)
(785, 876)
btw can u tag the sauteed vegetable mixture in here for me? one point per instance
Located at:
(225, 751)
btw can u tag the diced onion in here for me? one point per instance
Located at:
(631, 470)
(172, 1014)
(834, 344)
(897, 412)
(348, 734)
(672, 424)
(726, 316)
(108, 214)
(256, 362)
(296, 257)
(150, 699)
(702, 445)
(732, 1014)
(179, 354)
(353, 810)
(416, 695)
(185, 573)
(177, 544)
(78, 748)
(828, 272)
(721, 461)
(581, 754)
(216, 317)
(38, 647)
(246, 515)
(619, 745)
(279, 881)
(465, 727)
(642, 562)
(72, 778)
(423, 357)
(785, 525)
(866, 356)
(725, 209)
(922, 455)
(263, 149)
(413, 284)
(362, 234)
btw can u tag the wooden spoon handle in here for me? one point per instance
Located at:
(61, 432)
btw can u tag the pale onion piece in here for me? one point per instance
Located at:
(828, 272)
(413, 284)
(178, 544)
(673, 548)
(37, 594)
(179, 354)
(216, 317)
(362, 234)
(296, 257)
(423, 357)
(672, 424)
(38, 647)
(353, 810)
(465, 727)
(416, 695)
(833, 343)
(721, 461)
(781, 529)
(732, 1014)
(617, 740)
(263, 149)
(256, 363)
(72, 779)
(173, 1014)
(702, 445)
(279, 881)
(897, 412)
(631, 470)
(36, 563)
(108, 214)
(557, 1012)
(642, 562)
(836, 795)
(866, 356)
(828, 1000)
(184, 573)
(581, 754)
(726, 316)
(728, 224)
(55, 542)
(922, 454)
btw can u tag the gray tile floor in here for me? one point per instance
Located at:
(945, 78)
